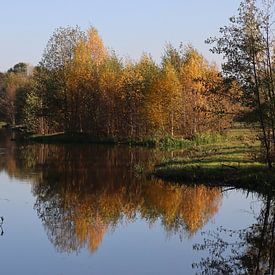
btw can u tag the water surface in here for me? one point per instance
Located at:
(87, 209)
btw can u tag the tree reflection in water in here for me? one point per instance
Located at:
(246, 251)
(84, 191)
(1, 226)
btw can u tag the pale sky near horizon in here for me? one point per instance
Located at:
(128, 27)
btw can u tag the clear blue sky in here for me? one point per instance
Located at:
(130, 27)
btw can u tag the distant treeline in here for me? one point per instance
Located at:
(81, 87)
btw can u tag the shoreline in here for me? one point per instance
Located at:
(227, 163)
(253, 179)
(165, 142)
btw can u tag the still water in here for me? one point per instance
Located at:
(87, 209)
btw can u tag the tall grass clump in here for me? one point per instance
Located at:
(208, 138)
(169, 142)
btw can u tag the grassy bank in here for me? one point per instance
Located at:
(166, 143)
(234, 162)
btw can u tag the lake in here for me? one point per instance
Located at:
(93, 209)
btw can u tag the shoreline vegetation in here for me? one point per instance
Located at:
(237, 162)
(232, 159)
(166, 142)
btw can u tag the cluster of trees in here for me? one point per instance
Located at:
(14, 86)
(81, 87)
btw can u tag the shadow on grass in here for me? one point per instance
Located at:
(252, 178)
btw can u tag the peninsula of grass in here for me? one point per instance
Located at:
(165, 143)
(234, 162)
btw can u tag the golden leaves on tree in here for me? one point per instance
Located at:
(97, 93)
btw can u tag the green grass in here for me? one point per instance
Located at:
(209, 138)
(230, 161)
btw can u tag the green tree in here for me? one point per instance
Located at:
(246, 44)
(57, 58)
(19, 68)
(12, 96)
